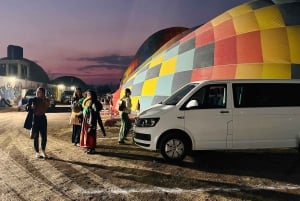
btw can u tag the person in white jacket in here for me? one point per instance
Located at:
(124, 114)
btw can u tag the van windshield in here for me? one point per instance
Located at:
(179, 94)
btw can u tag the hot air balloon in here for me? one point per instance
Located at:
(255, 40)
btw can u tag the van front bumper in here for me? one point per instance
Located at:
(142, 140)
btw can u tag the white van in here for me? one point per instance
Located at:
(222, 115)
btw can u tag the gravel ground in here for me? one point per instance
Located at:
(127, 172)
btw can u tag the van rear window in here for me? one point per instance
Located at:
(266, 94)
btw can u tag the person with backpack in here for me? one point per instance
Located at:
(125, 109)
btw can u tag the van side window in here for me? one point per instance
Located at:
(265, 95)
(210, 96)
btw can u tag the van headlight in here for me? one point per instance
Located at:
(146, 122)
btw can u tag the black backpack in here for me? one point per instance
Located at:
(122, 106)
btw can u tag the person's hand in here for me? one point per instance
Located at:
(91, 131)
(28, 108)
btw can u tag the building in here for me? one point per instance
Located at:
(14, 65)
(18, 74)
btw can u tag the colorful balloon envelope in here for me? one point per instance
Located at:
(256, 40)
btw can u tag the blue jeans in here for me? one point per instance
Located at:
(39, 126)
(76, 134)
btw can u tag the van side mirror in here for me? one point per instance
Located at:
(192, 104)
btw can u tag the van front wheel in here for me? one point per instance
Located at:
(173, 148)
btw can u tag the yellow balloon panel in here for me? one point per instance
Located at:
(221, 18)
(168, 67)
(149, 87)
(156, 61)
(269, 17)
(134, 101)
(276, 71)
(249, 71)
(240, 10)
(275, 47)
(245, 23)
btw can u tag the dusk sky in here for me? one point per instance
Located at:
(95, 40)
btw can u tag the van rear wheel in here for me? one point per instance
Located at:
(174, 148)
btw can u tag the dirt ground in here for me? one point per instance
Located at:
(127, 172)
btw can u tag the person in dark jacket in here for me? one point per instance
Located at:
(29, 117)
(39, 106)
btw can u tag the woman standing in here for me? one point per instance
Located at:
(91, 116)
(125, 121)
(39, 105)
(76, 115)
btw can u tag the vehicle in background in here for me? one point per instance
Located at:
(31, 93)
(222, 115)
(66, 96)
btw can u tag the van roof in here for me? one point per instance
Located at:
(251, 81)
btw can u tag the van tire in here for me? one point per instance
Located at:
(174, 148)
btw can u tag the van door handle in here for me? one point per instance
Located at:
(180, 117)
(224, 111)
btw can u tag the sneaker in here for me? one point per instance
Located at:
(37, 155)
(91, 151)
(43, 155)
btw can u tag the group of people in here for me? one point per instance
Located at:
(84, 118)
